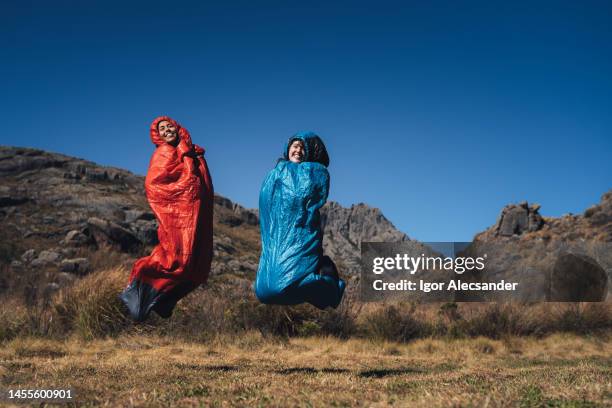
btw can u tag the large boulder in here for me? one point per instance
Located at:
(113, 234)
(145, 231)
(78, 266)
(46, 258)
(75, 238)
(577, 278)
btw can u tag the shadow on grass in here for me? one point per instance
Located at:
(388, 372)
(223, 368)
(372, 373)
(311, 370)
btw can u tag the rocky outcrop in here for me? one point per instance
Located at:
(50, 196)
(524, 221)
(600, 215)
(517, 219)
(111, 233)
(554, 258)
(12, 196)
(238, 215)
(345, 228)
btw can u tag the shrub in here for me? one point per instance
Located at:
(15, 319)
(493, 322)
(584, 318)
(338, 322)
(91, 307)
(395, 323)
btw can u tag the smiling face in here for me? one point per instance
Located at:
(168, 132)
(296, 151)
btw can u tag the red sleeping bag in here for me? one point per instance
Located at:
(180, 192)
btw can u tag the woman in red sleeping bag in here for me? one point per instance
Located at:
(180, 192)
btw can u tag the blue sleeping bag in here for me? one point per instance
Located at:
(292, 268)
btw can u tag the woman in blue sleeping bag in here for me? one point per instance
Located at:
(292, 267)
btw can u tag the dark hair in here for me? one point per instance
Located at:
(317, 151)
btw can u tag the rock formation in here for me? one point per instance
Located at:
(346, 228)
(517, 219)
(555, 258)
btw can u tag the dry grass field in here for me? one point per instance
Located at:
(561, 370)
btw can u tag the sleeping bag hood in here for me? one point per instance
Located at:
(313, 146)
(179, 190)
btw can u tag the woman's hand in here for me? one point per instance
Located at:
(189, 150)
(185, 149)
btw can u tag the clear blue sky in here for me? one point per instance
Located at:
(439, 113)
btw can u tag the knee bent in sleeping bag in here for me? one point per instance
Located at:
(291, 236)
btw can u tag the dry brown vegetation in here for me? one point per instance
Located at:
(90, 309)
